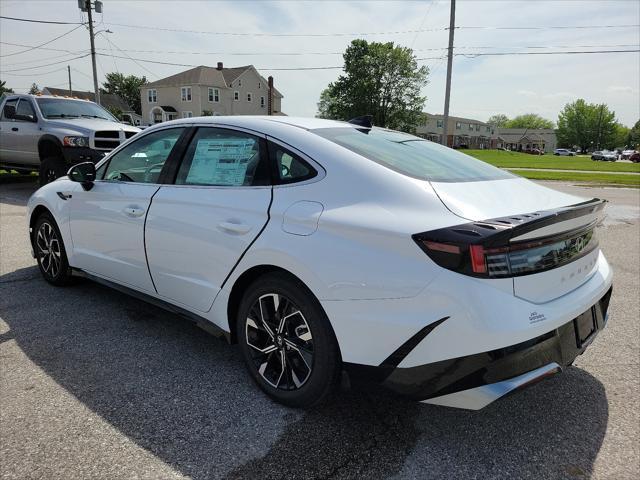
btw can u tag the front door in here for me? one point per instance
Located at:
(107, 221)
(198, 228)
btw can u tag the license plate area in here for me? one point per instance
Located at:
(585, 327)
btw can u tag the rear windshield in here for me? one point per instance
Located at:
(413, 156)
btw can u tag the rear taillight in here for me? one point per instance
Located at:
(510, 260)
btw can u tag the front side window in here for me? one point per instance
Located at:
(413, 156)
(227, 158)
(142, 160)
(289, 166)
(185, 94)
(26, 109)
(152, 95)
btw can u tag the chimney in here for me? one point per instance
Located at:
(219, 67)
(270, 96)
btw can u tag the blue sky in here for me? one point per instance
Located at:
(481, 86)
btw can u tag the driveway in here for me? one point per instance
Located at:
(95, 384)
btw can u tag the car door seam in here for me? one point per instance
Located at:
(144, 238)
(224, 282)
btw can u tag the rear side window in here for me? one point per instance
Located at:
(289, 167)
(227, 158)
(413, 156)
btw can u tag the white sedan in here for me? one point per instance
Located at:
(329, 250)
(564, 152)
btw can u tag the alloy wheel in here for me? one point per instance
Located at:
(280, 342)
(48, 247)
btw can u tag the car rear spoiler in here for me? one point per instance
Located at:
(497, 232)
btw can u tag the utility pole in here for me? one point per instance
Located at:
(447, 94)
(85, 6)
(70, 89)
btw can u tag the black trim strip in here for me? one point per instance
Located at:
(393, 360)
(197, 319)
(144, 238)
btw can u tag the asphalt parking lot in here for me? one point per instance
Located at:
(95, 384)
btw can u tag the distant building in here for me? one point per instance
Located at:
(209, 91)
(461, 132)
(519, 139)
(107, 100)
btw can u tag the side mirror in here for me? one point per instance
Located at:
(84, 173)
(10, 112)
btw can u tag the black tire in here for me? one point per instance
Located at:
(50, 252)
(303, 341)
(51, 168)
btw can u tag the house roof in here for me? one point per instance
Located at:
(457, 119)
(106, 99)
(203, 75)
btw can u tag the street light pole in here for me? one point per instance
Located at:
(452, 24)
(93, 53)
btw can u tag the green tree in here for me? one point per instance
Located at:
(380, 79)
(115, 111)
(587, 125)
(498, 120)
(622, 137)
(529, 120)
(128, 87)
(35, 89)
(634, 135)
(4, 89)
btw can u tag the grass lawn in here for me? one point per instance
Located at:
(597, 178)
(503, 159)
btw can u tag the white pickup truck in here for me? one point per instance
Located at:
(49, 134)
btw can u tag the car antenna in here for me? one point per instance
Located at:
(363, 121)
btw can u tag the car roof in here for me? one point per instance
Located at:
(262, 122)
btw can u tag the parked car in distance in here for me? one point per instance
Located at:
(635, 157)
(604, 155)
(564, 152)
(626, 154)
(534, 151)
(324, 247)
(49, 134)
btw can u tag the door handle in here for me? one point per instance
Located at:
(237, 228)
(133, 211)
(14, 129)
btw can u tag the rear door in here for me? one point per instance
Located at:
(107, 221)
(199, 227)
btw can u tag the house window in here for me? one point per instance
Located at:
(488, 128)
(259, 85)
(239, 82)
(249, 97)
(214, 95)
(471, 126)
(152, 95)
(185, 94)
(261, 102)
(477, 128)
(440, 123)
(458, 125)
(236, 95)
(187, 114)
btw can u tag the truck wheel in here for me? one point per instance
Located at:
(51, 168)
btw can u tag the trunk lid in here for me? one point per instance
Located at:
(545, 240)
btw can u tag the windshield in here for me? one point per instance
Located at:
(60, 108)
(413, 156)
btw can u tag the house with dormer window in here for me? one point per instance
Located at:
(203, 91)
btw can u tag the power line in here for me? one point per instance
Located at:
(34, 74)
(40, 60)
(42, 48)
(45, 65)
(345, 34)
(31, 20)
(43, 44)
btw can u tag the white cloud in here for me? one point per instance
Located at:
(481, 86)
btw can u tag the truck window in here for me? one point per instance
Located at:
(12, 102)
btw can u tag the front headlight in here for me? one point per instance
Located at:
(75, 141)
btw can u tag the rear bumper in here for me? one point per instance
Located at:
(473, 381)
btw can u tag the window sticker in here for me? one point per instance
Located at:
(221, 162)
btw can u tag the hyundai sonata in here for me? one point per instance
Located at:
(333, 251)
